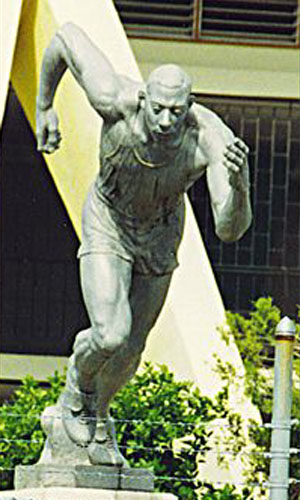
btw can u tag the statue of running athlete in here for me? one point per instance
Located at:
(155, 143)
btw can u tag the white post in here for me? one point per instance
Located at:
(281, 415)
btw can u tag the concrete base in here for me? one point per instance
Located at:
(83, 476)
(81, 494)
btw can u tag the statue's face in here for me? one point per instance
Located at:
(165, 112)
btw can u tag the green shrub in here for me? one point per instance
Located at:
(226, 493)
(159, 422)
(154, 410)
(22, 438)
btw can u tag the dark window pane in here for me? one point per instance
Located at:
(230, 289)
(264, 154)
(295, 146)
(293, 219)
(244, 257)
(214, 253)
(261, 218)
(246, 290)
(261, 286)
(296, 128)
(276, 257)
(250, 133)
(228, 254)
(260, 252)
(265, 125)
(280, 170)
(293, 286)
(263, 187)
(278, 202)
(281, 137)
(277, 234)
(292, 253)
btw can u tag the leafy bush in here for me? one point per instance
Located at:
(255, 338)
(159, 424)
(22, 438)
(226, 493)
(152, 411)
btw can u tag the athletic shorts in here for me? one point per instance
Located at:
(151, 245)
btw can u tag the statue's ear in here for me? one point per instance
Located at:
(142, 97)
(192, 99)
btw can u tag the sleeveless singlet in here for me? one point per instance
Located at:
(135, 209)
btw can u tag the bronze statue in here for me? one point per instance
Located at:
(155, 143)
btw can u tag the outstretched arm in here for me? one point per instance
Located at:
(71, 48)
(228, 179)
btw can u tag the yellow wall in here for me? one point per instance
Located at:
(256, 71)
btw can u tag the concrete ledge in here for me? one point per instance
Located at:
(61, 493)
(83, 476)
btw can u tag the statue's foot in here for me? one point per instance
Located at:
(79, 416)
(104, 448)
(79, 425)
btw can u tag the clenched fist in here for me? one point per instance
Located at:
(47, 132)
(236, 162)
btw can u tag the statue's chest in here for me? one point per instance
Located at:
(131, 158)
(120, 148)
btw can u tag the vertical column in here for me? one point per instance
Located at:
(281, 415)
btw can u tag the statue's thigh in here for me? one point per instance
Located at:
(105, 282)
(147, 297)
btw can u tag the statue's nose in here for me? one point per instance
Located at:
(165, 120)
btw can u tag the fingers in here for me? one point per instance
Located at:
(41, 139)
(231, 166)
(53, 141)
(48, 142)
(235, 155)
(240, 145)
(48, 135)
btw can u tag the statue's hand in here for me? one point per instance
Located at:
(47, 132)
(236, 161)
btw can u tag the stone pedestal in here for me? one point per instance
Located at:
(83, 476)
(65, 473)
(60, 493)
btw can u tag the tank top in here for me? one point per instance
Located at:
(138, 189)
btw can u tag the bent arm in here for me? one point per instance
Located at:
(71, 48)
(228, 181)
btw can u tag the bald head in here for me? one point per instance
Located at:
(165, 104)
(170, 76)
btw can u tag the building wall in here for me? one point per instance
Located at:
(265, 262)
(224, 69)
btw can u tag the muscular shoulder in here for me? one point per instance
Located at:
(214, 134)
(209, 123)
(110, 94)
(128, 99)
(118, 101)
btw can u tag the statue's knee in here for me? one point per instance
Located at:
(81, 339)
(110, 339)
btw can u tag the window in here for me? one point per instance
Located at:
(266, 259)
(258, 21)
